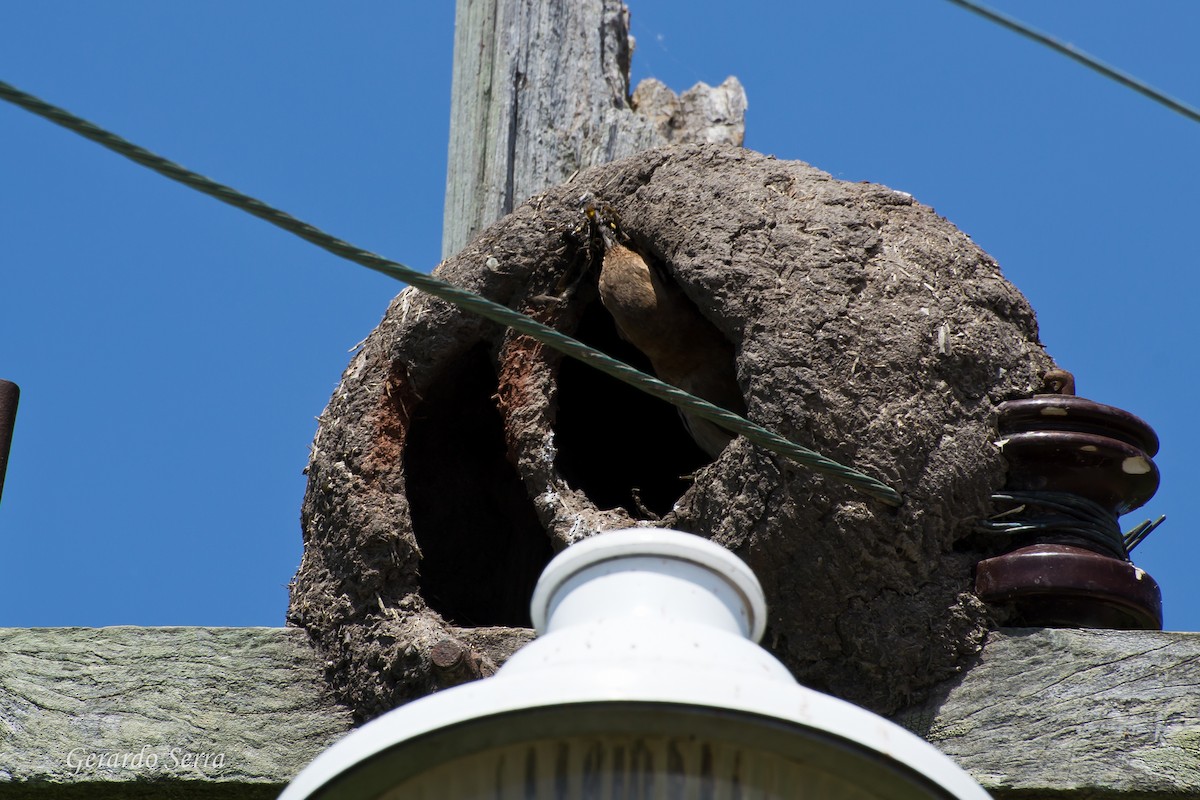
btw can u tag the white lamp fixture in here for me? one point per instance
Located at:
(645, 682)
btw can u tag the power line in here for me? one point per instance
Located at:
(460, 297)
(1073, 52)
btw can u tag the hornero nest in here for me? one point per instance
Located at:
(456, 457)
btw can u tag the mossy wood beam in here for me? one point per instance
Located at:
(236, 712)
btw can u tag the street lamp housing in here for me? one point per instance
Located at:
(645, 682)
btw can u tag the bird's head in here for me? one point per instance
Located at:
(603, 218)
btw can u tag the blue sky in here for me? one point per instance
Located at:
(173, 353)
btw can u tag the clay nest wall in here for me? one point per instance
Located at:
(456, 457)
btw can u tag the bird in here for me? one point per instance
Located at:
(653, 314)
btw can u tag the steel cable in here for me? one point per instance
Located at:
(462, 298)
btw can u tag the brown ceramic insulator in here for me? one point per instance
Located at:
(1069, 444)
(1064, 586)
(1063, 443)
(1117, 476)
(1070, 413)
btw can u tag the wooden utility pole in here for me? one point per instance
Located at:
(541, 90)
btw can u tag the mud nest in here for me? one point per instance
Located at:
(456, 457)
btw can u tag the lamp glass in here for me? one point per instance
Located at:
(623, 751)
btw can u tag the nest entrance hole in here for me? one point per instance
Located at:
(619, 446)
(482, 546)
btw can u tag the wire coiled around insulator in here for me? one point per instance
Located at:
(1062, 514)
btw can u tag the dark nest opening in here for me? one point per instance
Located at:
(482, 546)
(619, 446)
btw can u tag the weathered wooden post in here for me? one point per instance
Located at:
(541, 91)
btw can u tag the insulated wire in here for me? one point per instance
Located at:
(1074, 53)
